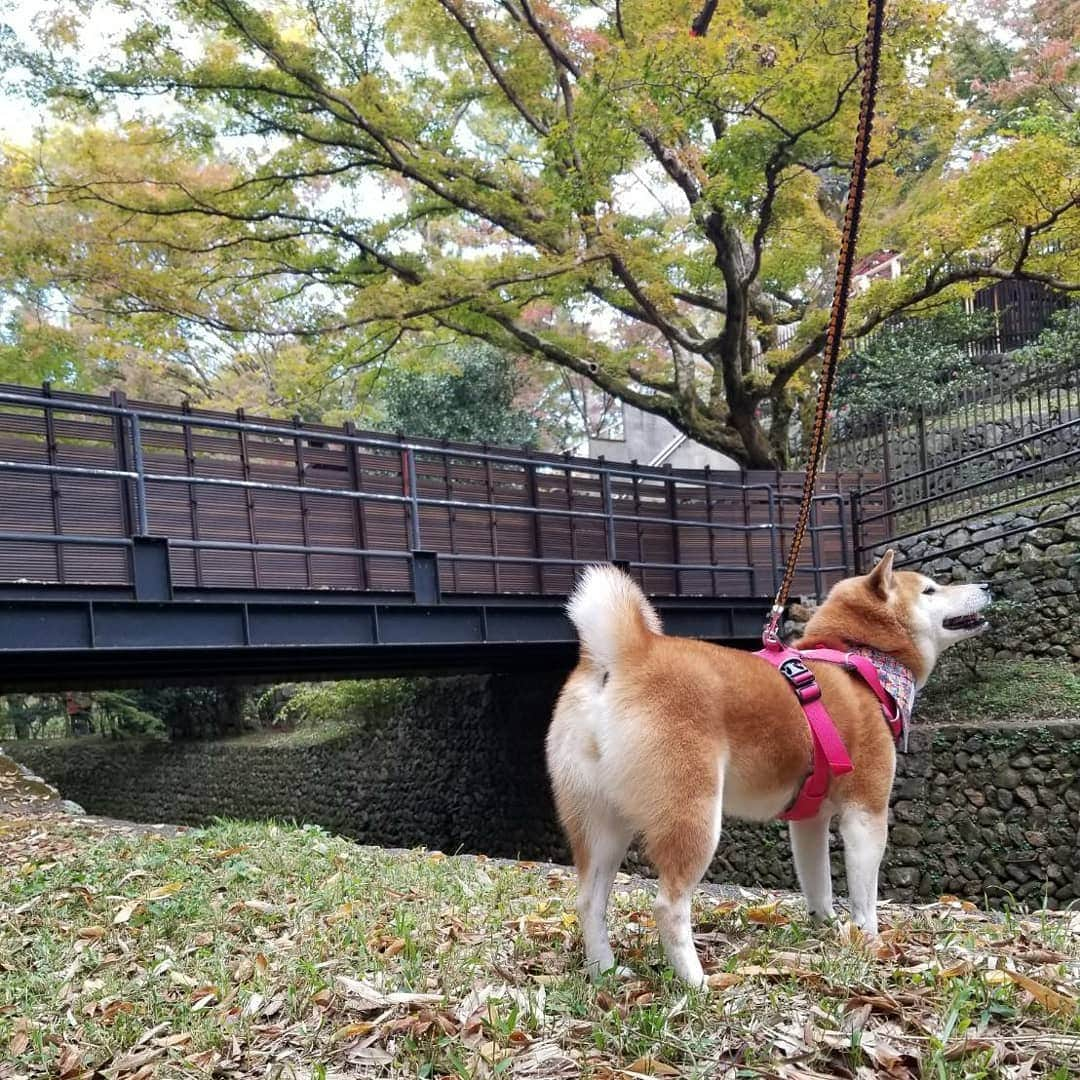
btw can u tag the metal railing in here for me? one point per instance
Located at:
(958, 500)
(681, 533)
(1015, 431)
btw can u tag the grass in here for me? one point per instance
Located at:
(1001, 690)
(255, 950)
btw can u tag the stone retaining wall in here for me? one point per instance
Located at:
(1005, 444)
(979, 812)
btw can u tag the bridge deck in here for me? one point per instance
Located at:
(120, 523)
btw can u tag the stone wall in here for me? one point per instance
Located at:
(1036, 570)
(459, 765)
(979, 812)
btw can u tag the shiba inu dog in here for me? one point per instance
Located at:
(661, 737)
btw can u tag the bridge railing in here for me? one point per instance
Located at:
(248, 503)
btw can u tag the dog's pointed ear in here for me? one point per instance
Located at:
(880, 579)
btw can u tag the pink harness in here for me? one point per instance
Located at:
(830, 755)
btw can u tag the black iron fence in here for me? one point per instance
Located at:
(1015, 435)
(982, 454)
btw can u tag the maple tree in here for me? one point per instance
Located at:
(1034, 66)
(587, 185)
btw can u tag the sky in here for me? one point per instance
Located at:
(20, 118)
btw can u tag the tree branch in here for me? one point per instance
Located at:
(700, 300)
(496, 73)
(700, 26)
(559, 56)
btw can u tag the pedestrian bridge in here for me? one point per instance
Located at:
(143, 543)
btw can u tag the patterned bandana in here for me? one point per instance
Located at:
(897, 681)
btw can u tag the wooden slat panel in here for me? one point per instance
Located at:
(320, 457)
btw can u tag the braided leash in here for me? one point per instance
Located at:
(872, 53)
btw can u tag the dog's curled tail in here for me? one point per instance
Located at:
(611, 615)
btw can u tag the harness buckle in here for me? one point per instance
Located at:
(801, 679)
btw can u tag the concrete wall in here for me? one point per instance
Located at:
(646, 435)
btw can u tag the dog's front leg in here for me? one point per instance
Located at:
(810, 850)
(865, 833)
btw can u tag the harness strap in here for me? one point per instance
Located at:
(863, 666)
(830, 754)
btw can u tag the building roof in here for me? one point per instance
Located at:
(874, 261)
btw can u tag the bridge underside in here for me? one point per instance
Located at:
(61, 637)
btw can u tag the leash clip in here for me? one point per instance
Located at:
(770, 636)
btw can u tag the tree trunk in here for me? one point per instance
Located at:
(759, 454)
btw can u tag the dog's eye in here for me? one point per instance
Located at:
(928, 590)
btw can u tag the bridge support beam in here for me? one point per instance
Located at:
(150, 571)
(55, 638)
(425, 577)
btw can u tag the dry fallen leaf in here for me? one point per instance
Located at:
(262, 907)
(649, 1066)
(545, 1059)
(876, 1002)
(203, 997)
(179, 1039)
(226, 853)
(492, 1053)
(1046, 996)
(70, 1063)
(125, 913)
(721, 980)
(162, 891)
(891, 1062)
(766, 914)
(353, 1031)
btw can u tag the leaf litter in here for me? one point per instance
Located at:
(246, 951)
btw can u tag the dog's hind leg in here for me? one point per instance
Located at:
(865, 834)
(810, 849)
(681, 852)
(599, 844)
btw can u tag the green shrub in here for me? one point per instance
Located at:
(348, 704)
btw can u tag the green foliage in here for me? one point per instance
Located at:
(1000, 690)
(32, 716)
(265, 219)
(1059, 343)
(1027, 65)
(196, 712)
(117, 714)
(910, 361)
(328, 709)
(37, 353)
(472, 399)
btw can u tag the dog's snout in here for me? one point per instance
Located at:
(985, 586)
